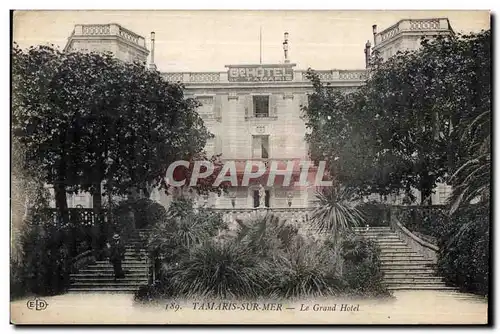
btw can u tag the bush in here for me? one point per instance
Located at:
(266, 258)
(46, 256)
(266, 236)
(362, 274)
(428, 221)
(171, 239)
(375, 214)
(305, 270)
(219, 270)
(464, 250)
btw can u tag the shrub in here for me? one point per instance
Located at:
(46, 256)
(305, 270)
(361, 271)
(424, 220)
(464, 249)
(219, 270)
(266, 236)
(184, 228)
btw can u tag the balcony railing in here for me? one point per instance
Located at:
(413, 25)
(111, 29)
(354, 76)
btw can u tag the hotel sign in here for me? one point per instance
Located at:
(246, 73)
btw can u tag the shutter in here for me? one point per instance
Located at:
(273, 105)
(249, 106)
(218, 107)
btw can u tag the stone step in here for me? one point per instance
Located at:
(411, 273)
(111, 280)
(404, 250)
(422, 263)
(103, 289)
(106, 275)
(398, 256)
(416, 279)
(376, 238)
(420, 287)
(128, 261)
(124, 266)
(390, 242)
(373, 228)
(405, 266)
(106, 284)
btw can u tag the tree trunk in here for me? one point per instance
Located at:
(98, 216)
(61, 203)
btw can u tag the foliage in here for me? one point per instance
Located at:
(145, 212)
(45, 256)
(362, 272)
(85, 118)
(375, 214)
(220, 270)
(306, 269)
(472, 179)
(183, 229)
(266, 236)
(428, 220)
(402, 129)
(464, 249)
(336, 213)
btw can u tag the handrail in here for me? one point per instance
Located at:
(423, 247)
(415, 237)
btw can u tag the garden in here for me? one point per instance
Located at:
(266, 257)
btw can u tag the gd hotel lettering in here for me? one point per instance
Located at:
(260, 73)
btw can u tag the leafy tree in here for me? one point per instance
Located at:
(87, 119)
(402, 129)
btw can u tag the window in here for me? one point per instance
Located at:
(256, 199)
(261, 106)
(260, 147)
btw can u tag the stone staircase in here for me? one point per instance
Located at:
(99, 276)
(403, 268)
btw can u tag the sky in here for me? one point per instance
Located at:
(209, 40)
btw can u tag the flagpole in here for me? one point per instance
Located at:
(260, 38)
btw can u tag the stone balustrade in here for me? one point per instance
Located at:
(298, 217)
(412, 25)
(111, 29)
(355, 76)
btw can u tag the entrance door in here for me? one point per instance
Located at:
(256, 199)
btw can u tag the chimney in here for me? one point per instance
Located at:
(367, 53)
(285, 48)
(374, 28)
(152, 65)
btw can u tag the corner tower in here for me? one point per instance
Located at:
(123, 43)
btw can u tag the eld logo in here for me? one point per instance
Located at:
(37, 304)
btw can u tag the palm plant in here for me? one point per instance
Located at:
(304, 270)
(219, 270)
(336, 213)
(266, 236)
(472, 179)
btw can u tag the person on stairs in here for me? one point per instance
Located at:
(116, 256)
